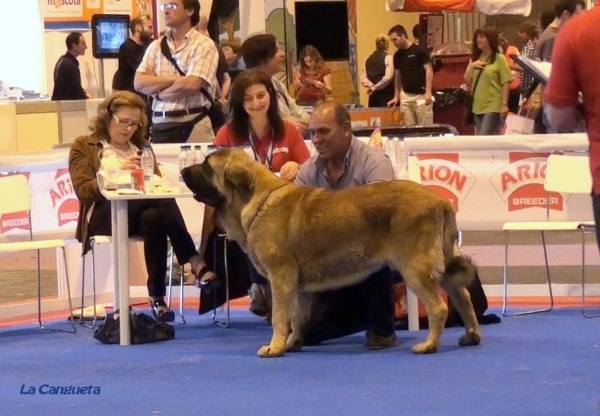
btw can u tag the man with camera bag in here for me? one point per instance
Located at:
(179, 71)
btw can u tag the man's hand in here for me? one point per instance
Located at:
(504, 110)
(289, 171)
(427, 98)
(88, 95)
(369, 91)
(393, 102)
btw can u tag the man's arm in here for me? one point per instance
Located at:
(66, 78)
(561, 93)
(200, 73)
(378, 168)
(146, 81)
(397, 88)
(428, 82)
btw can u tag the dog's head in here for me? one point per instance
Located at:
(226, 176)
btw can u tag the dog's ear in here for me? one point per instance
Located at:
(237, 176)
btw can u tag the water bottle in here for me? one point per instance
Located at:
(183, 161)
(402, 159)
(147, 164)
(197, 155)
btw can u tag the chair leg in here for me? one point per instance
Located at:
(170, 287)
(227, 303)
(505, 289)
(583, 307)
(39, 275)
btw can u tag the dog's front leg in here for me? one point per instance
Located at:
(300, 320)
(283, 288)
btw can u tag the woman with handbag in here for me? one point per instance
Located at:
(489, 77)
(120, 126)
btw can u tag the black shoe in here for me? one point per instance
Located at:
(209, 285)
(161, 312)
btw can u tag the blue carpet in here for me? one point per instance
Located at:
(545, 364)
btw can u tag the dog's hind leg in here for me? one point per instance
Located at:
(283, 288)
(300, 320)
(418, 279)
(461, 299)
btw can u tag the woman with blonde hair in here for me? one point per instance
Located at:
(120, 126)
(313, 79)
(378, 73)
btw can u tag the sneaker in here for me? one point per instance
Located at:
(380, 342)
(258, 303)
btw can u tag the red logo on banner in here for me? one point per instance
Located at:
(441, 173)
(521, 183)
(63, 198)
(16, 220)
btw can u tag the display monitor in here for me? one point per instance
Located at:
(109, 31)
(324, 25)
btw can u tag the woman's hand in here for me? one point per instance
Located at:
(479, 64)
(289, 171)
(134, 162)
(318, 84)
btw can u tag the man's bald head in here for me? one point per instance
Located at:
(334, 109)
(330, 130)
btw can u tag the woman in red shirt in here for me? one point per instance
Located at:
(313, 80)
(255, 122)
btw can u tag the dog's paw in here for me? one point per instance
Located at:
(471, 338)
(267, 351)
(424, 348)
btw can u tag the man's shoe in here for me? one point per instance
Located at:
(380, 342)
(258, 304)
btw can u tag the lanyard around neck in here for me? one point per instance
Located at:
(269, 157)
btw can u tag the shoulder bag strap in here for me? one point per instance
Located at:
(164, 48)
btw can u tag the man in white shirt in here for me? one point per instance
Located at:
(178, 97)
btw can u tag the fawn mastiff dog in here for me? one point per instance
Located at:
(310, 239)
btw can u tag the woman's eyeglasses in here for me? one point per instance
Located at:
(126, 124)
(168, 6)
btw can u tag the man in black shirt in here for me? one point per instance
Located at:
(132, 51)
(413, 78)
(67, 79)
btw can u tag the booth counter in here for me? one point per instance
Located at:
(38, 125)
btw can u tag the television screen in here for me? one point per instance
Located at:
(109, 31)
(324, 25)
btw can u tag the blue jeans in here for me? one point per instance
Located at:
(488, 124)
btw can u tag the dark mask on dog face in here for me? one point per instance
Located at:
(198, 179)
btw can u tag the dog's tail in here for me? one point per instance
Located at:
(459, 270)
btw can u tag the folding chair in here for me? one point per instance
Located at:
(565, 173)
(15, 197)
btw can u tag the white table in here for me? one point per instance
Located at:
(120, 249)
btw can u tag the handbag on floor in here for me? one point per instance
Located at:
(144, 329)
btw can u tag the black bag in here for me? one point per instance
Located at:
(469, 117)
(174, 132)
(237, 265)
(215, 112)
(144, 329)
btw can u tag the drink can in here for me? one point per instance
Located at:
(137, 179)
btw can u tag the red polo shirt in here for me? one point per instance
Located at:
(575, 59)
(290, 147)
